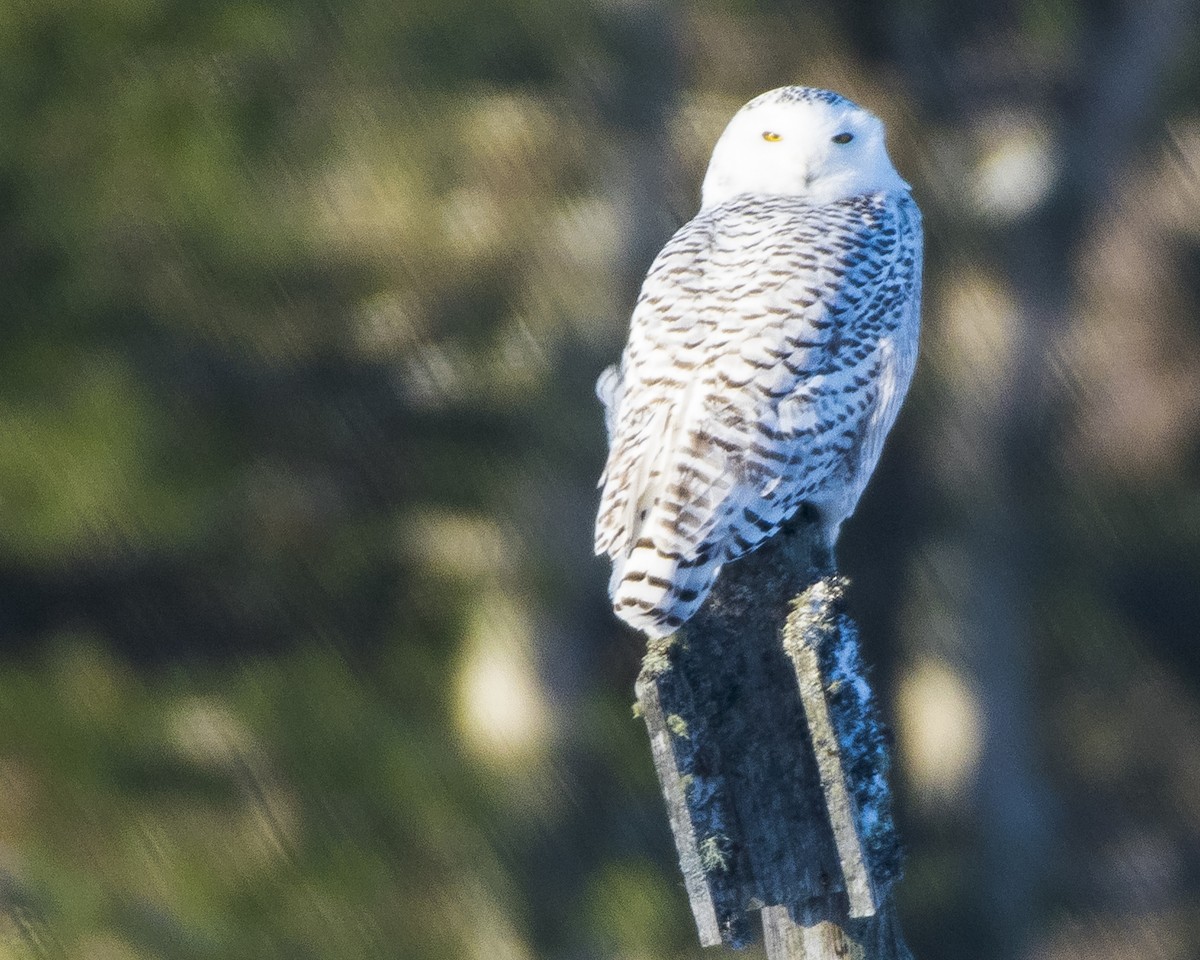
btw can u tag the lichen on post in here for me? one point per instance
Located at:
(773, 762)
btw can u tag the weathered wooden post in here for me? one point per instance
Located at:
(773, 763)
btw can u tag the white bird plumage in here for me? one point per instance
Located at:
(770, 349)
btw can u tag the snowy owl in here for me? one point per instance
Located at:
(768, 355)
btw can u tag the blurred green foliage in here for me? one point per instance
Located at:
(304, 651)
(264, 392)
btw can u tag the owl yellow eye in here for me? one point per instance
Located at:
(771, 137)
(843, 138)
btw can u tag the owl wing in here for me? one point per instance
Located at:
(768, 353)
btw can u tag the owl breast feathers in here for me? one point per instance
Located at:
(770, 349)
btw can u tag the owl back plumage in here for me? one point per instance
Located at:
(769, 351)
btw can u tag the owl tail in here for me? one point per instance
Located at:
(657, 592)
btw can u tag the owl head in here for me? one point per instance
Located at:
(804, 142)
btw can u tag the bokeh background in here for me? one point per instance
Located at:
(303, 651)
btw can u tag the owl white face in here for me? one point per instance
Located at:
(798, 143)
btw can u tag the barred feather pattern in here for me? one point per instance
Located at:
(769, 352)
